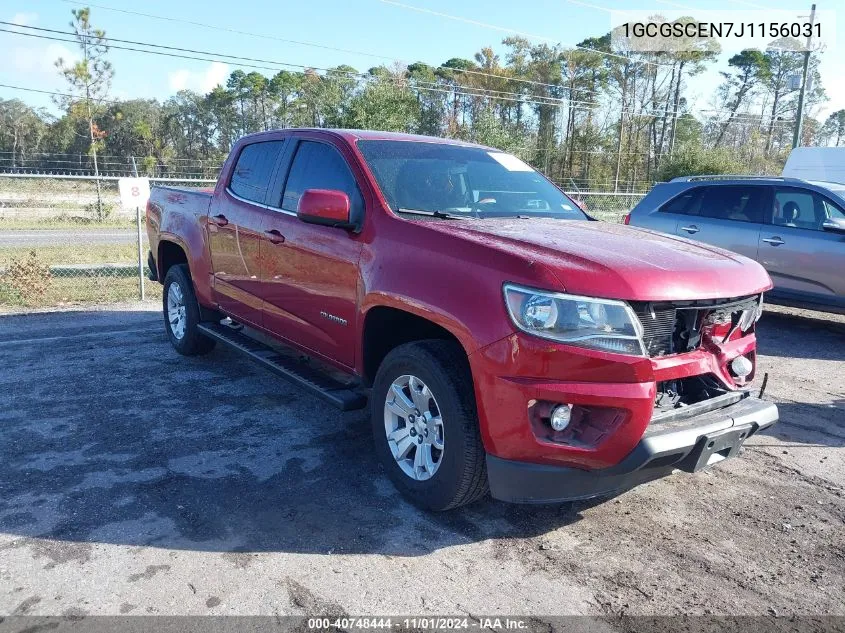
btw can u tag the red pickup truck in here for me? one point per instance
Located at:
(503, 340)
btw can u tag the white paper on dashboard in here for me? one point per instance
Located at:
(511, 163)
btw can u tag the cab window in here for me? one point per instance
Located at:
(320, 166)
(251, 175)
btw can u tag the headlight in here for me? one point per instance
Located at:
(750, 316)
(602, 324)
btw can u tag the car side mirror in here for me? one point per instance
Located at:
(326, 207)
(834, 225)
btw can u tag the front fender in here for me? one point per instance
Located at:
(438, 315)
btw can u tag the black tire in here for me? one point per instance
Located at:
(461, 476)
(193, 342)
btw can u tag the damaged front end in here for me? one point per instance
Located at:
(714, 328)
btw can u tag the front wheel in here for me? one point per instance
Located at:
(182, 313)
(425, 425)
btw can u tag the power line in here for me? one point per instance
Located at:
(262, 61)
(508, 30)
(51, 92)
(228, 59)
(153, 52)
(302, 43)
(227, 29)
(356, 52)
(216, 57)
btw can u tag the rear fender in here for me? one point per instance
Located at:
(191, 239)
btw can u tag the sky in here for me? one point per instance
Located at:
(361, 33)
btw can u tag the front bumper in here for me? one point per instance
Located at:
(687, 443)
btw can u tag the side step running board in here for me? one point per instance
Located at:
(341, 395)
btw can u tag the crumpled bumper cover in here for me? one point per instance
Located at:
(685, 443)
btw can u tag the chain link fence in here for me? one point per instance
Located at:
(607, 207)
(65, 240)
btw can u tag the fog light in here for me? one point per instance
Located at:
(741, 366)
(561, 415)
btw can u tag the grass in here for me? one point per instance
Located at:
(74, 254)
(70, 290)
(65, 222)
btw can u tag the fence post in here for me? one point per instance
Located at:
(140, 253)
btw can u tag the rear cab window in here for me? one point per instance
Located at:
(251, 176)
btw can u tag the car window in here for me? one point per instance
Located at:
(733, 202)
(251, 176)
(320, 166)
(802, 209)
(463, 181)
(832, 211)
(688, 203)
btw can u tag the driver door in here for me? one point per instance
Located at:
(309, 272)
(804, 261)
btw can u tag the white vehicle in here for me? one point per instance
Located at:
(826, 164)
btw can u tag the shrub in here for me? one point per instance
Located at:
(25, 280)
(697, 161)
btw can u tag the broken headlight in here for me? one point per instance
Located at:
(750, 316)
(603, 324)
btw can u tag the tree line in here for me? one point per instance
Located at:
(592, 117)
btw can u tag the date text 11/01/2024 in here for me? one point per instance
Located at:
(706, 30)
(421, 623)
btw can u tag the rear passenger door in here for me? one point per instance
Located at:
(729, 216)
(806, 263)
(235, 226)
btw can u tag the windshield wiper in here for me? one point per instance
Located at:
(434, 214)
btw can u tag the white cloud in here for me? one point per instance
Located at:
(203, 81)
(179, 80)
(40, 60)
(24, 19)
(214, 76)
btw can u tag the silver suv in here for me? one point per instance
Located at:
(794, 228)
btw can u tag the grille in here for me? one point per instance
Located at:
(658, 328)
(671, 328)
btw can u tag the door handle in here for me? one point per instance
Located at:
(220, 220)
(774, 241)
(274, 236)
(692, 228)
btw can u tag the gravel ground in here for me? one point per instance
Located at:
(136, 481)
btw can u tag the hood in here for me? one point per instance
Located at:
(616, 261)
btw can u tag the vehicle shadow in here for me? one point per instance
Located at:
(109, 436)
(809, 335)
(810, 423)
(810, 410)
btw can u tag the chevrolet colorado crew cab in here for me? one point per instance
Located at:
(502, 339)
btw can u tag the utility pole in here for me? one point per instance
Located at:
(799, 118)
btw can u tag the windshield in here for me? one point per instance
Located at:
(462, 181)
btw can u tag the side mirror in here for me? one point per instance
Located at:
(326, 207)
(834, 225)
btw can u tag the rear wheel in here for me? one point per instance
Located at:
(425, 425)
(182, 313)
